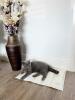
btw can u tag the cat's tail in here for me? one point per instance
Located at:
(53, 70)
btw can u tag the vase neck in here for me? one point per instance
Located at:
(13, 40)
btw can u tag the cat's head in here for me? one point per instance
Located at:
(26, 63)
(26, 66)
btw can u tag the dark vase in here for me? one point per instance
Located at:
(14, 52)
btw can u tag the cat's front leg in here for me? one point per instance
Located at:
(26, 75)
(23, 71)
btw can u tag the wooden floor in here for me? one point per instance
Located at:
(13, 89)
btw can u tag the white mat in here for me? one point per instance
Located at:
(52, 80)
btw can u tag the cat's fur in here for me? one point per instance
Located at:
(37, 66)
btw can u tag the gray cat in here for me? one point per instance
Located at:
(39, 67)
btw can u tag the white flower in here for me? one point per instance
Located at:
(15, 19)
(12, 13)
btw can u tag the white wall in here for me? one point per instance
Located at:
(48, 32)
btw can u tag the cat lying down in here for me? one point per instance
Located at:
(39, 67)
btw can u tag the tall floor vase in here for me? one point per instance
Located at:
(14, 52)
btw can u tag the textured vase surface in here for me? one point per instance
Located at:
(14, 52)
